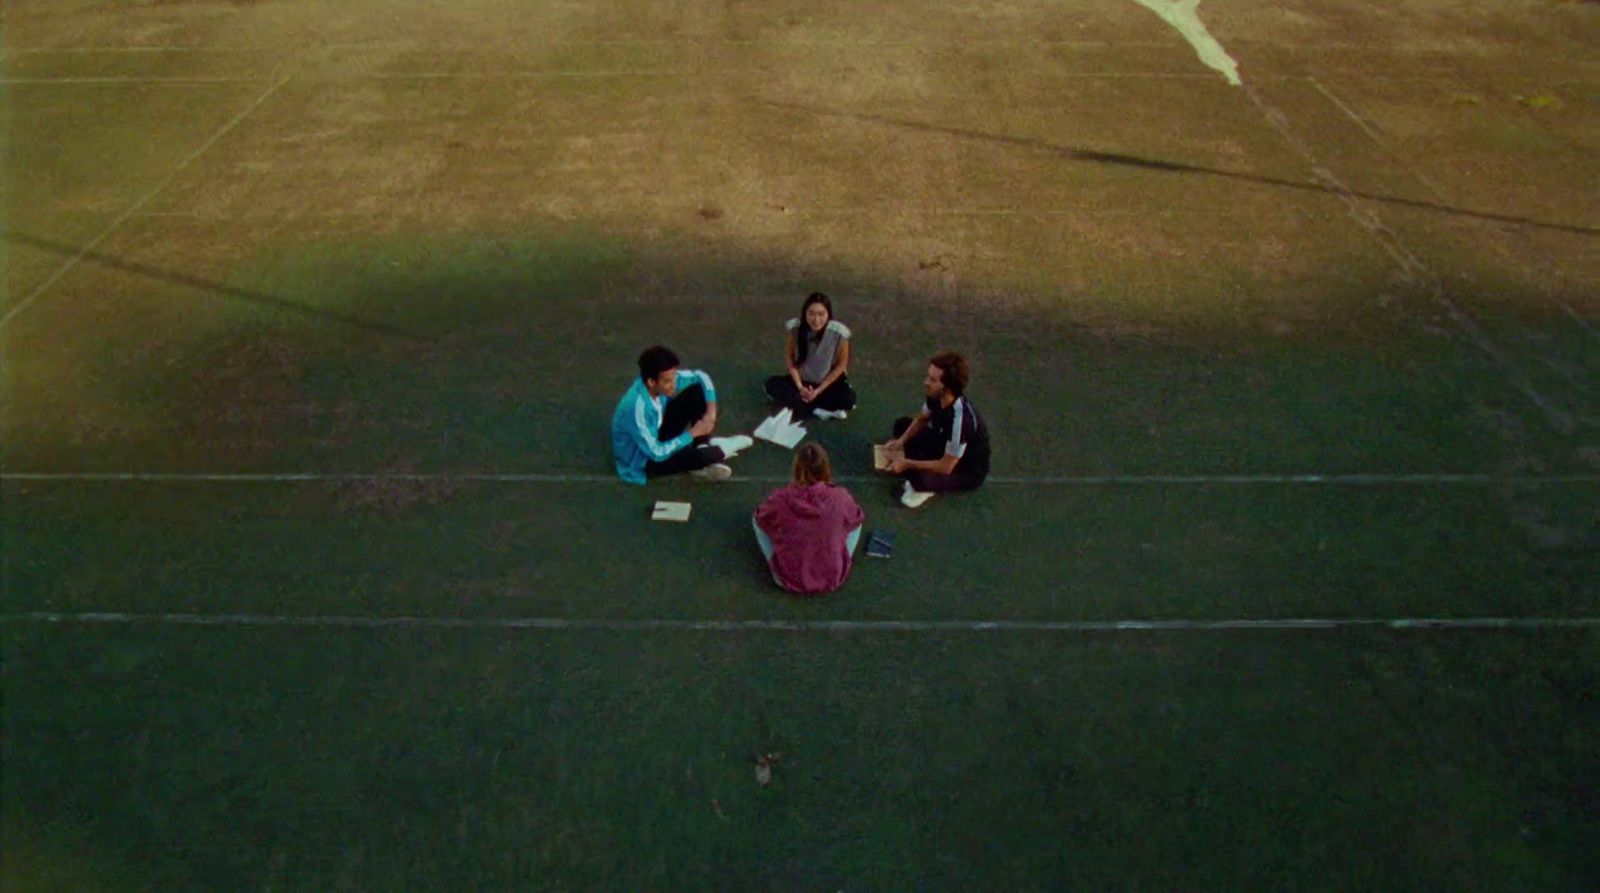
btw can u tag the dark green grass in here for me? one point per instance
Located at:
(508, 354)
(1010, 551)
(397, 275)
(309, 760)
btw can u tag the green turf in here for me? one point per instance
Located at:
(401, 236)
(301, 759)
(508, 354)
(442, 548)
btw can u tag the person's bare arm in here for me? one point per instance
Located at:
(943, 465)
(899, 443)
(791, 353)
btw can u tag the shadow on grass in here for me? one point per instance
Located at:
(1073, 153)
(532, 337)
(221, 289)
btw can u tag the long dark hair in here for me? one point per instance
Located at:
(802, 333)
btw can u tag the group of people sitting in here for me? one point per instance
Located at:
(808, 530)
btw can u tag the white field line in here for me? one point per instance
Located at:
(44, 51)
(1438, 194)
(1184, 17)
(197, 79)
(654, 42)
(1411, 268)
(227, 128)
(522, 75)
(499, 75)
(1359, 121)
(838, 211)
(1355, 479)
(334, 621)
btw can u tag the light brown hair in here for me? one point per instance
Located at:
(811, 465)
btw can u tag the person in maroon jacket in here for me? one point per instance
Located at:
(808, 530)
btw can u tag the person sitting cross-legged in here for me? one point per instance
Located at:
(817, 357)
(808, 530)
(663, 424)
(946, 446)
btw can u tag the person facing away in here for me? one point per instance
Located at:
(817, 355)
(946, 446)
(663, 424)
(808, 530)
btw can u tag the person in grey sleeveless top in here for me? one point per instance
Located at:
(817, 355)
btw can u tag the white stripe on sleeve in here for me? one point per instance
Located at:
(647, 438)
(957, 446)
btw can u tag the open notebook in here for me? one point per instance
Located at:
(782, 430)
(882, 456)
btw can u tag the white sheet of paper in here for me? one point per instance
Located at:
(781, 429)
(769, 426)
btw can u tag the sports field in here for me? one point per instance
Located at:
(317, 575)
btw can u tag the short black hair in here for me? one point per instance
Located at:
(656, 360)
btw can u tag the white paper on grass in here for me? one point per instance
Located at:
(782, 430)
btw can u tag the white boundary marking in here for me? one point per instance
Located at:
(196, 80)
(1438, 194)
(166, 181)
(1184, 17)
(1091, 480)
(638, 41)
(48, 50)
(676, 41)
(1360, 122)
(336, 77)
(1411, 268)
(334, 621)
(423, 213)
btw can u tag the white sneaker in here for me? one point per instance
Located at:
(732, 446)
(915, 499)
(831, 414)
(716, 472)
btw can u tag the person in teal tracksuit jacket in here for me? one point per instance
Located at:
(663, 424)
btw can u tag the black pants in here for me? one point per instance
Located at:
(681, 412)
(928, 444)
(839, 395)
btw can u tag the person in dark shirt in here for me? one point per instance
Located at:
(945, 447)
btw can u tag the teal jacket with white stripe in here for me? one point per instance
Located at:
(638, 418)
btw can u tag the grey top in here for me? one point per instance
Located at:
(819, 357)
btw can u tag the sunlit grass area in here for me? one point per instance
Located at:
(317, 576)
